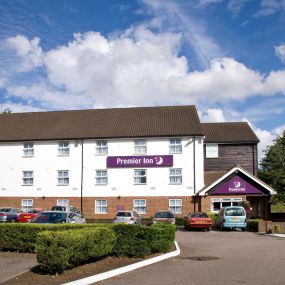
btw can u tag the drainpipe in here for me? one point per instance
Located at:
(81, 187)
(194, 172)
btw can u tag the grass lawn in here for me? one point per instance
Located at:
(278, 208)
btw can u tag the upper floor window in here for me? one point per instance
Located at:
(63, 148)
(101, 177)
(28, 177)
(175, 205)
(175, 176)
(28, 149)
(62, 202)
(26, 204)
(140, 206)
(140, 176)
(101, 148)
(140, 146)
(63, 177)
(175, 146)
(212, 151)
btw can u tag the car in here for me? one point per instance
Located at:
(231, 217)
(58, 217)
(197, 220)
(127, 217)
(29, 215)
(65, 209)
(9, 214)
(164, 217)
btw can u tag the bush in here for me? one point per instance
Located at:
(213, 217)
(252, 224)
(60, 250)
(179, 221)
(22, 237)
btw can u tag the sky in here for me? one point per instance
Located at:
(225, 57)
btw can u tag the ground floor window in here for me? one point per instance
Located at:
(27, 204)
(100, 206)
(62, 202)
(140, 206)
(175, 205)
(218, 203)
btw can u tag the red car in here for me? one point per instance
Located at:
(27, 217)
(197, 220)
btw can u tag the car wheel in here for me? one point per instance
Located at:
(242, 229)
(208, 229)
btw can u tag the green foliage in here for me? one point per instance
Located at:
(22, 236)
(179, 221)
(278, 207)
(57, 251)
(252, 224)
(213, 217)
(273, 167)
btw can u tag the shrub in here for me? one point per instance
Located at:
(179, 221)
(60, 250)
(213, 217)
(252, 224)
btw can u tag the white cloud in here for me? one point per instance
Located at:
(213, 115)
(28, 51)
(270, 7)
(206, 3)
(280, 52)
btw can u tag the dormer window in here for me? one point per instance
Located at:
(140, 146)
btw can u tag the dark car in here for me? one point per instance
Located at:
(164, 217)
(197, 220)
(9, 214)
(58, 217)
(65, 209)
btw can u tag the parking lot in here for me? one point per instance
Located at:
(230, 257)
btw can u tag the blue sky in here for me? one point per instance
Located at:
(226, 57)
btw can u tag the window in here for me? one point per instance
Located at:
(100, 206)
(175, 205)
(28, 177)
(101, 177)
(140, 176)
(218, 203)
(62, 202)
(175, 176)
(27, 204)
(63, 177)
(101, 148)
(28, 149)
(212, 151)
(140, 206)
(140, 146)
(175, 146)
(63, 148)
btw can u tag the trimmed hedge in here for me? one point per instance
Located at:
(22, 237)
(252, 224)
(57, 251)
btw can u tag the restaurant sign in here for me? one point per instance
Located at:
(140, 161)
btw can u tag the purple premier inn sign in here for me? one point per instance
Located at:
(140, 161)
(236, 186)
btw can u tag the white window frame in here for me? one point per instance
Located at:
(101, 179)
(63, 148)
(102, 147)
(175, 174)
(175, 145)
(138, 177)
(26, 204)
(175, 207)
(140, 146)
(62, 202)
(101, 208)
(62, 177)
(139, 205)
(28, 177)
(212, 150)
(223, 200)
(28, 149)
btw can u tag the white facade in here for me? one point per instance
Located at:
(47, 161)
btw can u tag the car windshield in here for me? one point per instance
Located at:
(50, 218)
(58, 208)
(199, 215)
(164, 215)
(33, 211)
(234, 212)
(124, 214)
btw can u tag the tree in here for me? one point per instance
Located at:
(273, 167)
(6, 111)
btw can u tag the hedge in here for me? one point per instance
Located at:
(252, 224)
(61, 250)
(22, 237)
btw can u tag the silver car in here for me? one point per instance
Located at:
(9, 214)
(127, 217)
(58, 217)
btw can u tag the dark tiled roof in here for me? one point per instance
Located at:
(101, 123)
(212, 176)
(235, 132)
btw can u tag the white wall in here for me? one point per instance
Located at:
(46, 162)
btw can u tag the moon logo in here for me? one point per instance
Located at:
(158, 160)
(237, 184)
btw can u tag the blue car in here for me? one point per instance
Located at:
(231, 218)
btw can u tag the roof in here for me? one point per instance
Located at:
(211, 176)
(166, 121)
(233, 132)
